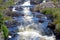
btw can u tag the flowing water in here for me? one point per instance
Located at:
(44, 1)
(30, 28)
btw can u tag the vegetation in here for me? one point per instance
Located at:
(55, 12)
(5, 31)
(3, 27)
(54, 1)
(3, 18)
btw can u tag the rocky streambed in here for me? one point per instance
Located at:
(28, 24)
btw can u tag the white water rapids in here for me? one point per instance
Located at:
(32, 29)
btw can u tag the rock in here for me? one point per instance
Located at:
(41, 21)
(57, 31)
(19, 8)
(19, 2)
(57, 5)
(41, 6)
(1, 37)
(50, 17)
(36, 1)
(12, 23)
(39, 16)
(47, 5)
(13, 14)
(10, 8)
(57, 35)
(51, 26)
(36, 8)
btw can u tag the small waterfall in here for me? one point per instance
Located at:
(29, 29)
(44, 1)
(27, 14)
(26, 3)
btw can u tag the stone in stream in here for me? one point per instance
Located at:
(13, 14)
(18, 2)
(41, 21)
(11, 23)
(51, 26)
(35, 1)
(19, 8)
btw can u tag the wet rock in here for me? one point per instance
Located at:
(19, 8)
(19, 2)
(54, 27)
(57, 35)
(10, 8)
(40, 21)
(13, 14)
(57, 31)
(38, 16)
(36, 1)
(51, 26)
(50, 17)
(13, 23)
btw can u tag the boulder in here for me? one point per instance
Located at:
(36, 1)
(47, 5)
(51, 26)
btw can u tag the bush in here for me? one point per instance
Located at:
(5, 31)
(46, 11)
(56, 16)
